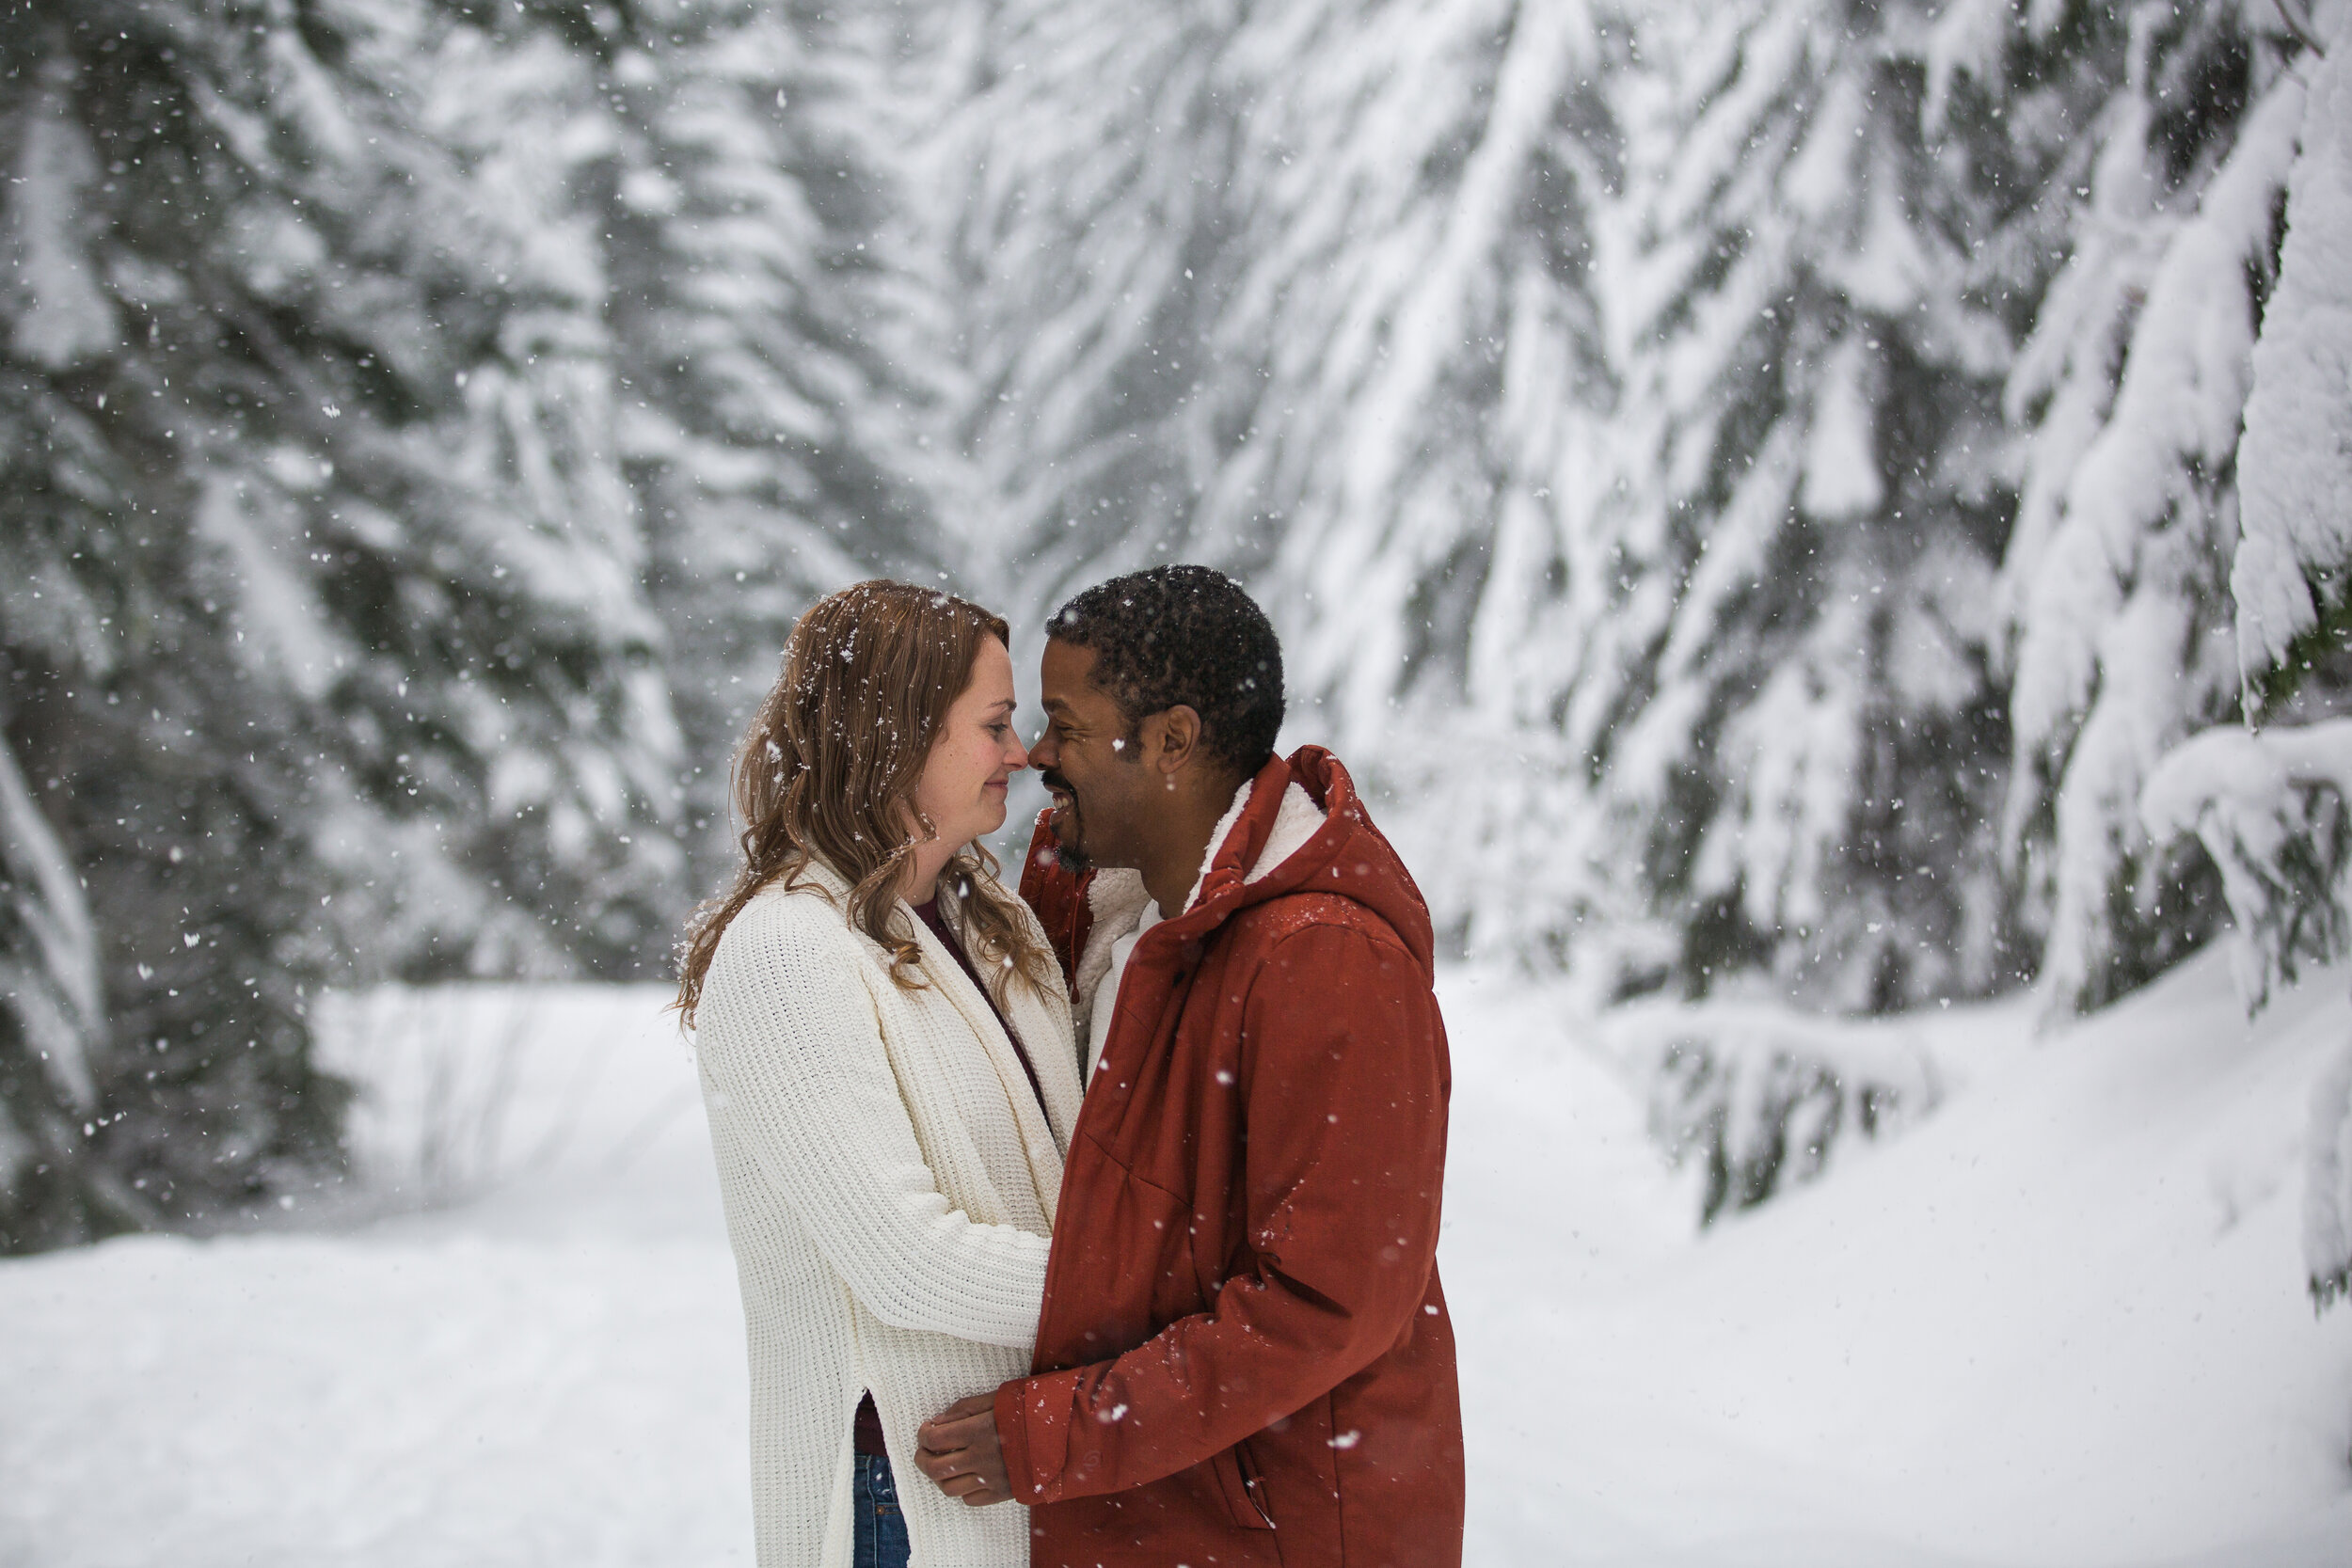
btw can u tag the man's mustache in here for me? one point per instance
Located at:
(1054, 781)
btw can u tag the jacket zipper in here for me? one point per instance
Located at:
(1250, 1485)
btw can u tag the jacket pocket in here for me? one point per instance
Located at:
(1123, 1269)
(1245, 1494)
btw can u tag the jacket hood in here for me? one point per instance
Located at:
(1347, 857)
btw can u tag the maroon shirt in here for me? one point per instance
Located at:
(867, 1431)
(928, 911)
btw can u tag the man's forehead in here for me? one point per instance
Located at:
(1075, 699)
(1067, 687)
(1073, 664)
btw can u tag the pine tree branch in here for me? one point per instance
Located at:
(2301, 27)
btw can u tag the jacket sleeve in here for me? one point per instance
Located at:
(1345, 1082)
(792, 1063)
(1057, 897)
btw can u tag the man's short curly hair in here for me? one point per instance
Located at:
(1185, 635)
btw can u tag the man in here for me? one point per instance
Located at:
(1243, 1355)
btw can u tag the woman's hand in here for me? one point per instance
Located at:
(959, 1450)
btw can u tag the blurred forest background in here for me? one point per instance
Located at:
(1759, 487)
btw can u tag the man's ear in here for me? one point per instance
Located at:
(1171, 738)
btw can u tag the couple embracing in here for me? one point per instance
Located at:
(1095, 1225)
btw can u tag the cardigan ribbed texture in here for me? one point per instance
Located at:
(889, 1181)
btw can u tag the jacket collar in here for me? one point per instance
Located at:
(1263, 855)
(1280, 813)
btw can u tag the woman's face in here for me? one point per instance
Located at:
(964, 779)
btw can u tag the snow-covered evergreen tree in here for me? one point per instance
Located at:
(1078, 177)
(776, 345)
(1780, 670)
(1619, 396)
(2273, 805)
(325, 650)
(1424, 416)
(1286, 289)
(1701, 422)
(1786, 451)
(2114, 584)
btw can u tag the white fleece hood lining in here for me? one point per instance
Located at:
(1121, 907)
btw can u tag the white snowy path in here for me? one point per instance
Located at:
(2059, 1323)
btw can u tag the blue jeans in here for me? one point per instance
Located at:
(881, 1537)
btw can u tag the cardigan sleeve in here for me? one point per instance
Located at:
(792, 1056)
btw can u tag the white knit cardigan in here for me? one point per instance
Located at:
(889, 1187)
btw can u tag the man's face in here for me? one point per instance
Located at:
(1102, 791)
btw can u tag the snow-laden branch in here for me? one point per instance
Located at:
(2297, 20)
(2271, 809)
(2122, 532)
(48, 950)
(1761, 1094)
(2294, 461)
(49, 1001)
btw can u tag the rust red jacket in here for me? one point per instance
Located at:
(1244, 1355)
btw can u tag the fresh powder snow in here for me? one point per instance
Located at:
(2060, 1321)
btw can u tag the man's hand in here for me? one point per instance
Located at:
(959, 1450)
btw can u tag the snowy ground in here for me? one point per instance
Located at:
(2059, 1323)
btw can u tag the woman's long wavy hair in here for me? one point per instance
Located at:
(826, 773)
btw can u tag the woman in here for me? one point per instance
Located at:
(889, 1129)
